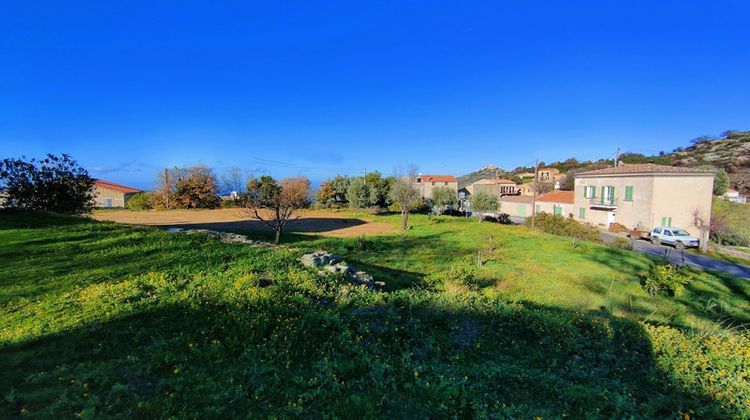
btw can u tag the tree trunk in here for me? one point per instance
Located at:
(704, 239)
(278, 236)
(404, 220)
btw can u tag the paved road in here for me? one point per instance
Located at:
(701, 261)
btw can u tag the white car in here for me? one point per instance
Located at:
(673, 236)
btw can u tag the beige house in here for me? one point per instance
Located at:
(516, 205)
(426, 183)
(555, 202)
(108, 194)
(643, 196)
(493, 186)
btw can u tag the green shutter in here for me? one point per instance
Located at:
(557, 210)
(629, 193)
(522, 210)
(666, 221)
(593, 192)
(585, 192)
(538, 207)
(669, 221)
(582, 213)
(601, 199)
(612, 195)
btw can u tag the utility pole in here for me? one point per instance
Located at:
(617, 156)
(533, 200)
(167, 187)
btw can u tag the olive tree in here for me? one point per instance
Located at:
(483, 202)
(276, 203)
(405, 194)
(443, 197)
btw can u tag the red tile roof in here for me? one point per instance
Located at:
(107, 185)
(557, 197)
(644, 168)
(437, 178)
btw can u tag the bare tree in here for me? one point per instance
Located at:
(276, 203)
(233, 180)
(404, 193)
(704, 226)
(166, 185)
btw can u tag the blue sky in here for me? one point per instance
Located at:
(319, 88)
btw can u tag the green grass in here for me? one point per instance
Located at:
(99, 319)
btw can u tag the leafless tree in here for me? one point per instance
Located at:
(166, 186)
(234, 179)
(404, 192)
(704, 226)
(276, 203)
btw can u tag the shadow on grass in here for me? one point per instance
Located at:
(404, 358)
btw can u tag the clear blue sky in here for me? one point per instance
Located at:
(319, 88)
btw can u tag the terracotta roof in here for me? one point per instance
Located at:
(557, 197)
(644, 168)
(107, 185)
(490, 181)
(437, 178)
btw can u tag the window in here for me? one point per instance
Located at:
(107, 202)
(667, 233)
(629, 193)
(589, 192)
(657, 231)
(608, 195)
(582, 213)
(557, 210)
(433, 184)
(666, 221)
(522, 210)
(538, 208)
(446, 184)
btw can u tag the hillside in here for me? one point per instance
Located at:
(730, 152)
(105, 320)
(489, 171)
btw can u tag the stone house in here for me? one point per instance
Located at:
(643, 196)
(426, 183)
(549, 175)
(494, 186)
(109, 194)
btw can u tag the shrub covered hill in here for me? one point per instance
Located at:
(730, 152)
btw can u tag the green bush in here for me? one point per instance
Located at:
(622, 243)
(558, 225)
(666, 279)
(140, 201)
(462, 274)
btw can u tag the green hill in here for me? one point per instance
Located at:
(489, 171)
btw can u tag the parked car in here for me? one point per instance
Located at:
(673, 236)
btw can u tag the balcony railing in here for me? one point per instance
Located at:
(606, 203)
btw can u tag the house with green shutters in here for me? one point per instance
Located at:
(641, 196)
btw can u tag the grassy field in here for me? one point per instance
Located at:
(102, 319)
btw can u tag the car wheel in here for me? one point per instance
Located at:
(679, 246)
(656, 241)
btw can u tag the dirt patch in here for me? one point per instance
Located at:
(321, 222)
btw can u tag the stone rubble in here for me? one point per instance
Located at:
(226, 237)
(329, 263)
